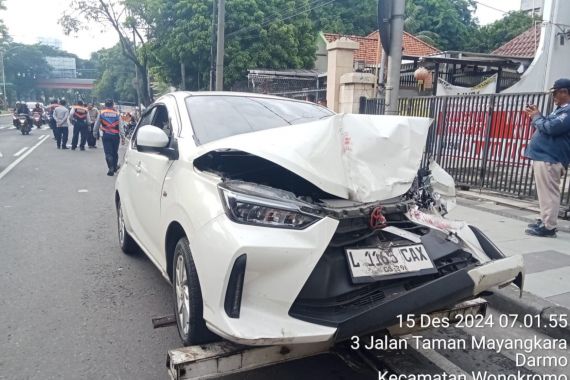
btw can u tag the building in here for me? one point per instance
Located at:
(532, 6)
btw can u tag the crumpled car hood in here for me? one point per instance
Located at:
(363, 158)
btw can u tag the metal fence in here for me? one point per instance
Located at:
(316, 95)
(480, 139)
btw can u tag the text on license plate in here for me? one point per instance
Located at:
(387, 261)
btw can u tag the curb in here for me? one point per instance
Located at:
(517, 206)
(508, 300)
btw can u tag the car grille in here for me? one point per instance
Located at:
(329, 296)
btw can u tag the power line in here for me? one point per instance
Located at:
(282, 16)
(490, 7)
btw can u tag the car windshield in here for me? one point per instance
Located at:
(217, 116)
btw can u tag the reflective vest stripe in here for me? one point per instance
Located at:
(109, 121)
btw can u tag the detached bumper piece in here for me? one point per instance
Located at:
(438, 294)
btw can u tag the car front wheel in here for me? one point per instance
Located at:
(188, 298)
(126, 242)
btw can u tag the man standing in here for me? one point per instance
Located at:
(61, 116)
(109, 122)
(79, 117)
(93, 115)
(549, 147)
(51, 120)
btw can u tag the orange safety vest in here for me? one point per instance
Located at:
(110, 120)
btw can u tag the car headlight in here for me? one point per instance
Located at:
(259, 205)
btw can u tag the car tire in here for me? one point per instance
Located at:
(128, 245)
(188, 304)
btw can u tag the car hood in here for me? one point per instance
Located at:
(362, 158)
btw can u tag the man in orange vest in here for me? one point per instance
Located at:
(109, 122)
(79, 117)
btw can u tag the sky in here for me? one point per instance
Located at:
(493, 10)
(28, 20)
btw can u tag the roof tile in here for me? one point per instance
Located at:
(524, 45)
(370, 49)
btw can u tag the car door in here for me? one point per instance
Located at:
(150, 169)
(130, 183)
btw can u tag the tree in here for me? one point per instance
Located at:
(116, 76)
(346, 16)
(4, 37)
(259, 33)
(490, 37)
(447, 24)
(23, 66)
(116, 14)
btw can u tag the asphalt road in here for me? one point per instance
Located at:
(73, 306)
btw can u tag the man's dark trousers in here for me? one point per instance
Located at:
(61, 136)
(79, 129)
(53, 125)
(111, 143)
(90, 138)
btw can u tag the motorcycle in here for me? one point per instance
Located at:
(37, 119)
(15, 121)
(24, 122)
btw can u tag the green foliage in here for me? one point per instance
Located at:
(270, 34)
(448, 23)
(490, 37)
(23, 66)
(346, 17)
(116, 76)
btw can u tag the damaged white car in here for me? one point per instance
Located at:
(277, 221)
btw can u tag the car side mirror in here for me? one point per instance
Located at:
(152, 139)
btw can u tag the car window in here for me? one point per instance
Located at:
(217, 116)
(146, 119)
(161, 120)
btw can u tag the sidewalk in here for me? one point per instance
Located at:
(547, 260)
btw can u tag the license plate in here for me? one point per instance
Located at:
(390, 261)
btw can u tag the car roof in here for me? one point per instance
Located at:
(181, 95)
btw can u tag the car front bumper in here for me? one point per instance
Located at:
(435, 295)
(279, 263)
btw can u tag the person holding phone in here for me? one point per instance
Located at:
(549, 148)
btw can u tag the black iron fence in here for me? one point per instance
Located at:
(479, 139)
(316, 95)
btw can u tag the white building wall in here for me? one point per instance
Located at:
(552, 59)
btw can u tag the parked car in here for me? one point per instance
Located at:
(278, 221)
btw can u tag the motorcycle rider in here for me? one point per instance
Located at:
(22, 109)
(79, 118)
(38, 109)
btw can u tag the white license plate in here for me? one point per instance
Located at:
(375, 262)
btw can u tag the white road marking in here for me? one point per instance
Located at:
(82, 191)
(20, 151)
(1, 155)
(20, 159)
(41, 137)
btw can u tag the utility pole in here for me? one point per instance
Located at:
(220, 46)
(212, 55)
(395, 57)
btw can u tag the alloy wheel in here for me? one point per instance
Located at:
(182, 295)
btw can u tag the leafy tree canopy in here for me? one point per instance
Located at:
(490, 37)
(265, 34)
(116, 75)
(447, 24)
(346, 16)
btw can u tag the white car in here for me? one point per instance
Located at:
(278, 221)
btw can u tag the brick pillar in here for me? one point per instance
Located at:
(340, 58)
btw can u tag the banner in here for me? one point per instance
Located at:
(488, 86)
